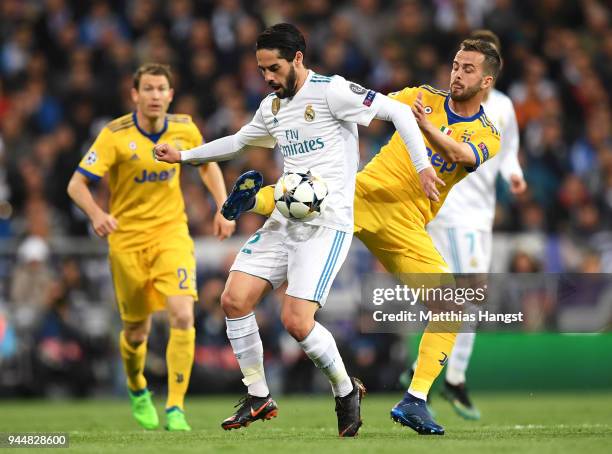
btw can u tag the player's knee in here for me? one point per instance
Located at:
(295, 325)
(232, 305)
(136, 335)
(182, 319)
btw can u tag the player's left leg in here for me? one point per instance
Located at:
(319, 345)
(179, 359)
(173, 276)
(312, 268)
(420, 256)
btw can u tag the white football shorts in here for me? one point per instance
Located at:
(307, 256)
(464, 250)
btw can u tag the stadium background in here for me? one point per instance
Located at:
(65, 70)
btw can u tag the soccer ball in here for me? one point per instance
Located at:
(300, 195)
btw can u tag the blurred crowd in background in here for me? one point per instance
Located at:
(66, 69)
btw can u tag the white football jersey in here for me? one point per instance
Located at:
(471, 202)
(317, 130)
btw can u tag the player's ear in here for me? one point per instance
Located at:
(134, 94)
(487, 82)
(171, 94)
(299, 58)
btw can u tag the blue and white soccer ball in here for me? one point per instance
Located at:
(300, 195)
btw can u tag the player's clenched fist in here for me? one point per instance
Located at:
(104, 224)
(166, 153)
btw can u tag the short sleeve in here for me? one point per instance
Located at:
(195, 137)
(256, 133)
(100, 157)
(405, 96)
(485, 144)
(351, 102)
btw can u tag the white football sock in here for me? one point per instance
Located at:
(460, 358)
(418, 394)
(243, 334)
(321, 348)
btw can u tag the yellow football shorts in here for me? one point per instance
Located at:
(397, 238)
(143, 279)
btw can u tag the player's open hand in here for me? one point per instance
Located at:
(104, 224)
(429, 181)
(166, 153)
(418, 109)
(222, 228)
(517, 184)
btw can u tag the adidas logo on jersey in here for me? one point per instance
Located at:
(134, 157)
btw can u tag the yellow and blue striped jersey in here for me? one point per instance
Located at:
(392, 170)
(146, 197)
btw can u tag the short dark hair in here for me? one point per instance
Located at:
(492, 60)
(156, 69)
(488, 36)
(286, 38)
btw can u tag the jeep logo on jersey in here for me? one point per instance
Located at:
(357, 89)
(309, 113)
(275, 106)
(152, 176)
(438, 161)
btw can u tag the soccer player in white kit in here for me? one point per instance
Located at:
(312, 120)
(462, 229)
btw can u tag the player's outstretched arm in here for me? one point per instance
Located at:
(253, 134)
(102, 222)
(218, 150)
(212, 178)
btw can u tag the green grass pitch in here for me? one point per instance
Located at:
(524, 423)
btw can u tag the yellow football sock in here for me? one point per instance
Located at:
(264, 201)
(435, 348)
(133, 363)
(179, 358)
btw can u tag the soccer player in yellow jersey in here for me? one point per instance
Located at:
(151, 254)
(391, 210)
